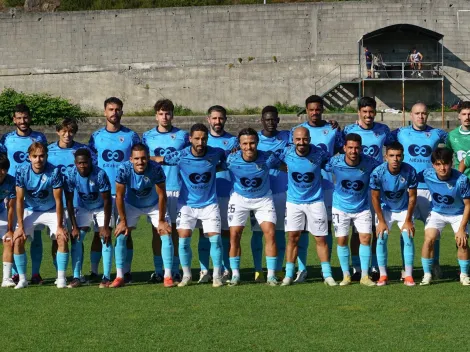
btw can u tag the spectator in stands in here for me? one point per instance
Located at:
(368, 62)
(415, 58)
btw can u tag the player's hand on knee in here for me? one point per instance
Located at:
(75, 234)
(461, 239)
(19, 235)
(8, 237)
(105, 234)
(380, 229)
(62, 233)
(164, 228)
(409, 227)
(121, 229)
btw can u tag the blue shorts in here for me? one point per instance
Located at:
(369, 65)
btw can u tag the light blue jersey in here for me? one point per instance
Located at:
(87, 190)
(351, 193)
(419, 146)
(227, 143)
(140, 188)
(373, 140)
(304, 174)
(64, 158)
(163, 143)
(394, 188)
(326, 138)
(251, 178)
(112, 148)
(198, 188)
(39, 188)
(276, 145)
(17, 147)
(447, 196)
(7, 191)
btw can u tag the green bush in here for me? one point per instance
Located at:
(45, 108)
(13, 3)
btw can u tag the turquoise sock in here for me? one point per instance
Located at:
(343, 256)
(176, 264)
(158, 263)
(203, 248)
(62, 261)
(225, 252)
(326, 269)
(364, 254)
(355, 261)
(36, 252)
(464, 266)
(382, 250)
(408, 249)
(280, 237)
(120, 251)
(427, 264)
(216, 250)
(271, 263)
(257, 250)
(20, 262)
(107, 251)
(129, 257)
(302, 251)
(186, 253)
(167, 251)
(290, 270)
(95, 257)
(437, 251)
(77, 255)
(235, 263)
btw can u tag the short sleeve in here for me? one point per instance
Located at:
(144, 139)
(339, 140)
(420, 176)
(272, 161)
(91, 143)
(122, 174)
(3, 149)
(158, 175)
(103, 182)
(186, 139)
(375, 180)
(467, 161)
(464, 186)
(135, 138)
(69, 182)
(19, 177)
(57, 181)
(12, 194)
(412, 179)
(42, 139)
(443, 136)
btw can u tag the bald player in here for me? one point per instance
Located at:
(419, 140)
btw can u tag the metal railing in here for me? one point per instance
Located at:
(341, 73)
(407, 70)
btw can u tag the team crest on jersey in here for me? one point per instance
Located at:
(427, 134)
(91, 183)
(43, 178)
(146, 179)
(121, 139)
(402, 179)
(172, 136)
(259, 167)
(225, 142)
(325, 132)
(376, 135)
(362, 170)
(449, 186)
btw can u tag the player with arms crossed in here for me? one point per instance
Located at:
(305, 206)
(7, 218)
(419, 140)
(351, 204)
(162, 140)
(140, 191)
(249, 169)
(198, 199)
(218, 138)
(39, 202)
(112, 144)
(92, 189)
(327, 136)
(16, 144)
(393, 186)
(450, 193)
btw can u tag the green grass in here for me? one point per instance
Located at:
(249, 317)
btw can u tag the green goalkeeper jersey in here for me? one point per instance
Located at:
(459, 142)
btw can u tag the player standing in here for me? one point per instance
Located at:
(351, 204)
(140, 191)
(450, 194)
(305, 206)
(198, 199)
(7, 216)
(327, 136)
(88, 199)
(419, 140)
(393, 186)
(39, 202)
(249, 169)
(17, 143)
(112, 144)
(162, 140)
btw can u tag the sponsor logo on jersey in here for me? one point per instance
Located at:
(418, 150)
(63, 168)
(394, 195)
(251, 182)
(42, 194)
(307, 177)
(20, 157)
(88, 197)
(163, 151)
(371, 150)
(113, 155)
(438, 198)
(353, 185)
(140, 193)
(200, 178)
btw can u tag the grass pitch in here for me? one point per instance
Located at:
(252, 316)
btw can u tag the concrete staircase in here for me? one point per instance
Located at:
(141, 124)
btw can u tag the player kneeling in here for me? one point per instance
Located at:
(7, 191)
(249, 169)
(39, 202)
(450, 192)
(140, 191)
(94, 206)
(394, 185)
(305, 207)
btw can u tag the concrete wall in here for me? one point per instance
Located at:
(191, 55)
